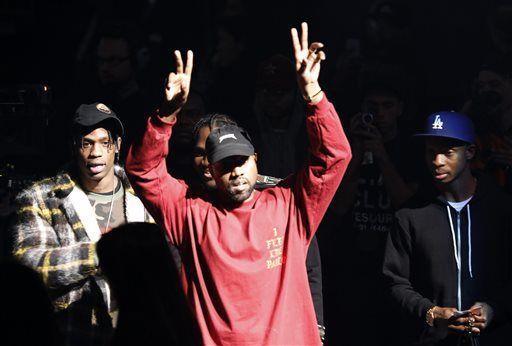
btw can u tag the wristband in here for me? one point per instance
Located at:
(429, 316)
(310, 98)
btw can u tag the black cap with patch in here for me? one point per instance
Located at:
(90, 116)
(228, 140)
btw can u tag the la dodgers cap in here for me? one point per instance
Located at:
(90, 115)
(227, 140)
(449, 125)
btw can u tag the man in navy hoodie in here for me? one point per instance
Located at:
(448, 260)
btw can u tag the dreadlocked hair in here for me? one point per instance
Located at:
(212, 121)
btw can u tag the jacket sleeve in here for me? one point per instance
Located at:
(501, 301)
(396, 270)
(329, 156)
(163, 195)
(314, 270)
(36, 244)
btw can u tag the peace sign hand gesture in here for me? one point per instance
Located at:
(177, 86)
(307, 64)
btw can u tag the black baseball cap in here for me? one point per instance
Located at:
(89, 116)
(228, 140)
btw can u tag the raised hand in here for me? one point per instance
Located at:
(307, 63)
(177, 86)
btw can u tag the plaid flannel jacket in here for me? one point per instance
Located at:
(56, 233)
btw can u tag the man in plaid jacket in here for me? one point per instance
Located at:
(60, 219)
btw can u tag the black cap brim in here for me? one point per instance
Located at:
(109, 122)
(231, 150)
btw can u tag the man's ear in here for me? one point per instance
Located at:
(255, 157)
(212, 170)
(118, 144)
(470, 152)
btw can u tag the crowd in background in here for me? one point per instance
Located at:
(390, 64)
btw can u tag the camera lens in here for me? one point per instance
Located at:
(367, 118)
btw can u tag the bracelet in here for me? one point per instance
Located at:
(321, 330)
(429, 316)
(310, 98)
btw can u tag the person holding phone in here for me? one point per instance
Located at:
(379, 180)
(448, 262)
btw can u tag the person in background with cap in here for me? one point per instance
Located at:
(60, 219)
(244, 250)
(448, 258)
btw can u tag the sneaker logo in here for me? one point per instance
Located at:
(438, 123)
(221, 138)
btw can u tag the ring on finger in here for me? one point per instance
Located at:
(469, 329)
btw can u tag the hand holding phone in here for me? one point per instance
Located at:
(474, 311)
(462, 313)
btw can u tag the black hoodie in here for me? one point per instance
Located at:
(420, 265)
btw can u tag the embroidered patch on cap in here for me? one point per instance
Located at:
(103, 108)
(438, 123)
(231, 135)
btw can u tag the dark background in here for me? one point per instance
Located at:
(45, 43)
(40, 40)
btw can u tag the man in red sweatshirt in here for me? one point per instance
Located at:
(244, 250)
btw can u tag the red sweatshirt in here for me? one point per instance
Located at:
(243, 269)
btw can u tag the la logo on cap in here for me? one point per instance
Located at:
(438, 123)
(103, 108)
(221, 138)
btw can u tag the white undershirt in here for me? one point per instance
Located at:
(459, 205)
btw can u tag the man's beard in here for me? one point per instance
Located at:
(237, 198)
